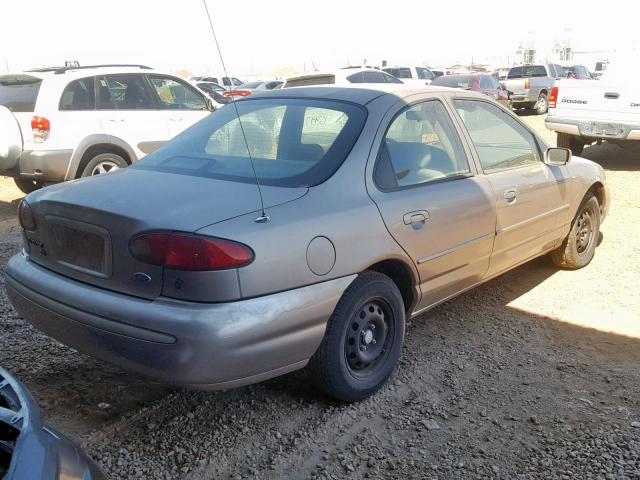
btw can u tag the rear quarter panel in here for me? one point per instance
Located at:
(338, 209)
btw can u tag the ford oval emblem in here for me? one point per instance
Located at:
(142, 277)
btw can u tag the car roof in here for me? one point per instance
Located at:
(341, 74)
(361, 94)
(66, 73)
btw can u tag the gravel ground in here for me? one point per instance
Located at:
(533, 375)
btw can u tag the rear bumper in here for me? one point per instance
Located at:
(584, 128)
(213, 346)
(521, 98)
(44, 165)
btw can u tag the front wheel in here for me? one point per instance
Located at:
(363, 339)
(579, 247)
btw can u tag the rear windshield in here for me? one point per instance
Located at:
(19, 92)
(527, 71)
(251, 84)
(311, 80)
(293, 142)
(455, 81)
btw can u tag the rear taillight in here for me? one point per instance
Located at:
(553, 97)
(182, 251)
(41, 128)
(237, 93)
(527, 84)
(25, 216)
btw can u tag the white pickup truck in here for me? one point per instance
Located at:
(583, 112)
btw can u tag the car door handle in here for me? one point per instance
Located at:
(176, 119)
(116, 120)
(510, 195)
(415, 217)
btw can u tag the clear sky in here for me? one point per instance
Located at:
(258, 36)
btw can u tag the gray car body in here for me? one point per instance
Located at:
(269, 317)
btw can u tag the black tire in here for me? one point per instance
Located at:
(542, 105)
(572, 142)
(339, 367)
(579, 247)
(102, 163)
(27, 186)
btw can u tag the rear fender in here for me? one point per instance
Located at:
(92, 140)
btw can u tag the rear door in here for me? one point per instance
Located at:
(430, 199)
(129, 111)
(531, 197)
(182, 104)
(76, 117)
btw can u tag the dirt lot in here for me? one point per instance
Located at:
(536, 374)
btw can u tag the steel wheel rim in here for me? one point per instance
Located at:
(585, 230)
(542, 101)
(369, 337)
(105, 166)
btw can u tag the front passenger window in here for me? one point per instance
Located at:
(501, 142)
(176, 96)
(420, 146)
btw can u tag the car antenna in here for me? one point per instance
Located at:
(263, 218)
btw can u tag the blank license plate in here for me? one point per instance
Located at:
(82, 249)
(608, 129)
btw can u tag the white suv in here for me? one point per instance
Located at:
(64, 123)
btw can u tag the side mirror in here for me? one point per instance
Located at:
(210, 106)
(557, 156)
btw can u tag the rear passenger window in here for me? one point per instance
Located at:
(124, 92)
(391, 79)
(79, 95)
(501, 142)
(420, 146)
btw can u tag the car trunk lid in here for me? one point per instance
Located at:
(84, 227)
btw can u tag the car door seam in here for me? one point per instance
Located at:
(532, 219)
(447, 251)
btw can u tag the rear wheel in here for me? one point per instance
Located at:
(579, 247)
(363, 339)
(572, 142)
(27, 186)
(542, 105)
(103, 163)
